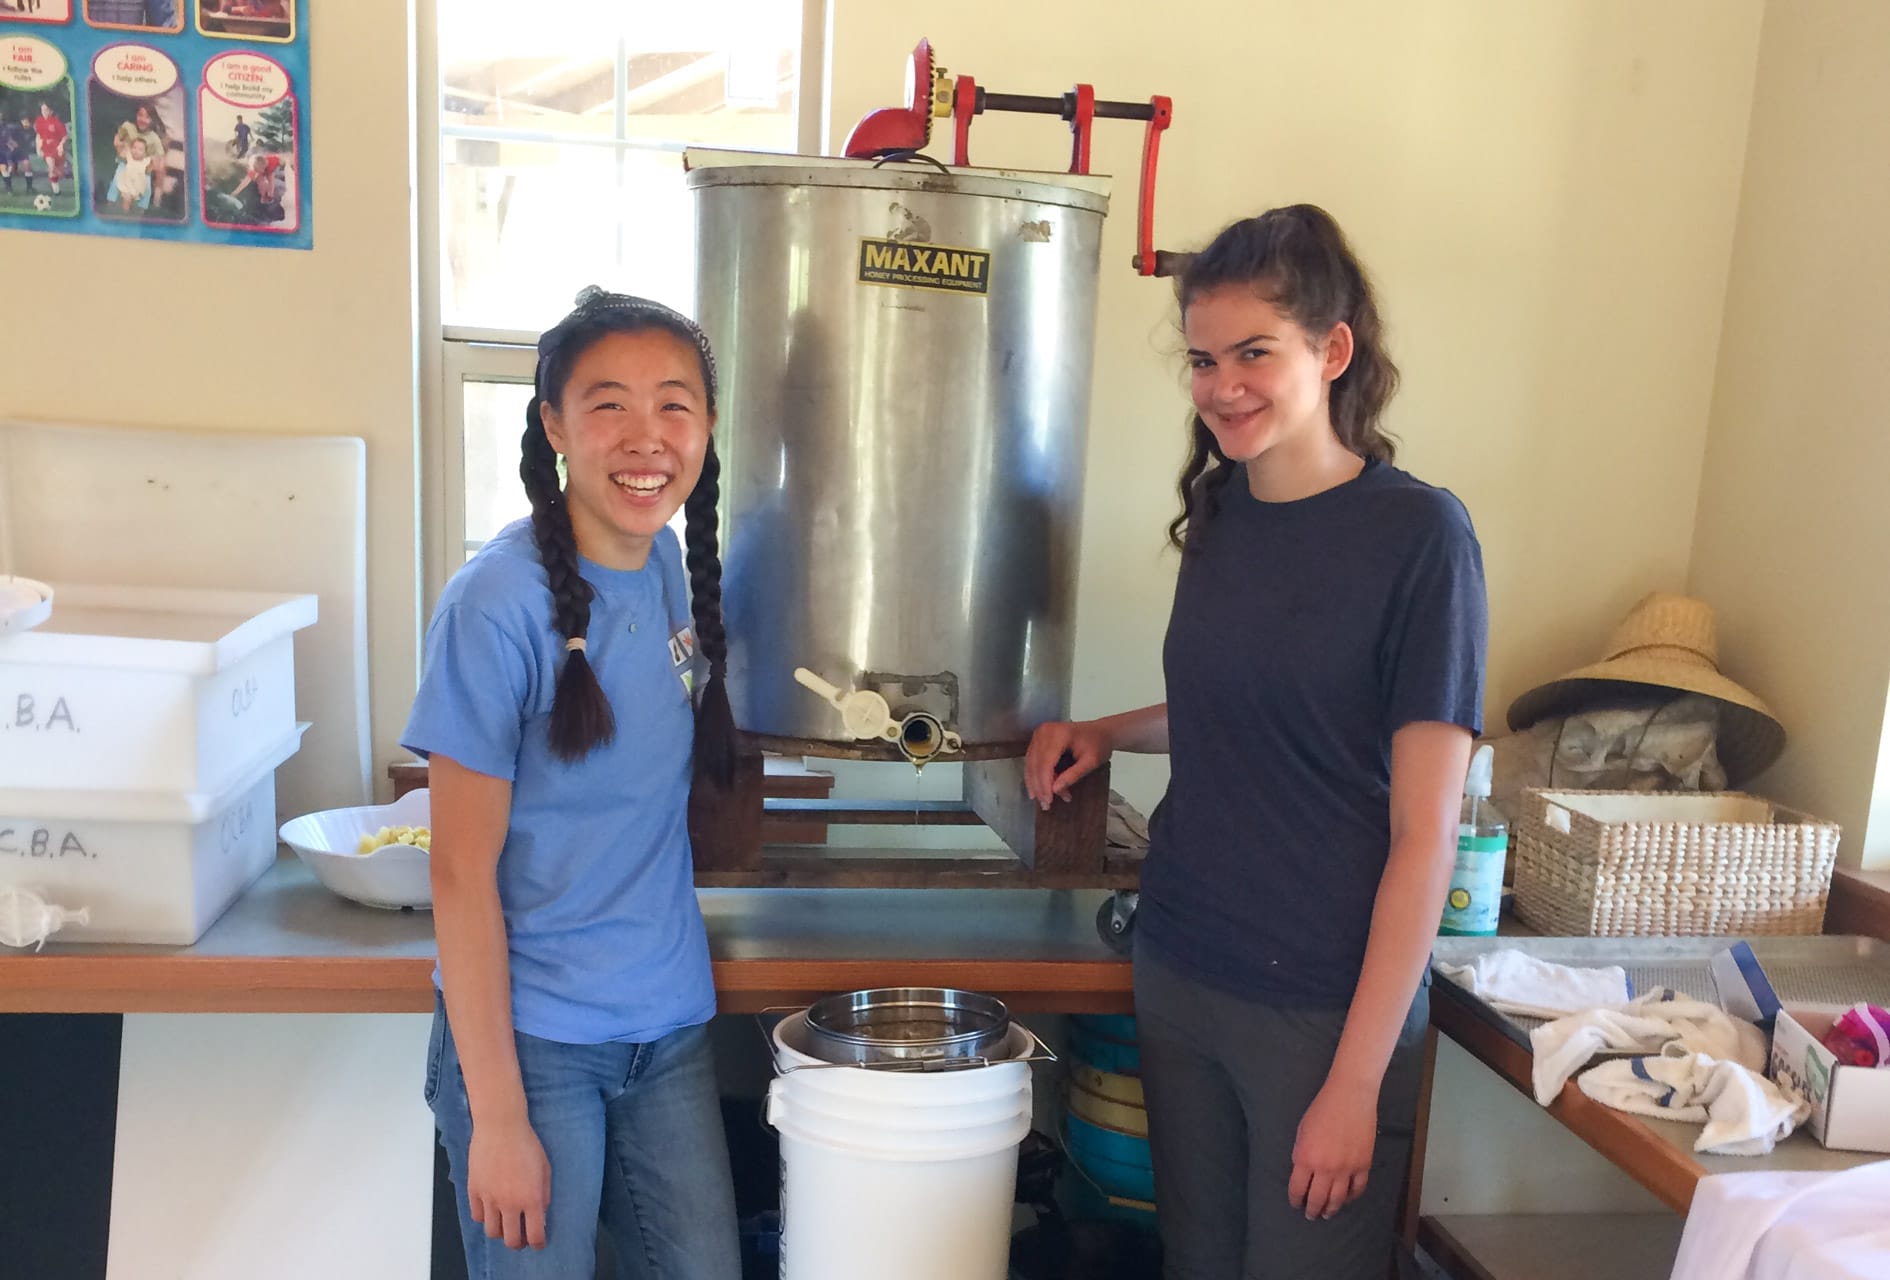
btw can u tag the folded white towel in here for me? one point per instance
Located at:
(1512, 982)
(1646, 1025)
(1745, 1114)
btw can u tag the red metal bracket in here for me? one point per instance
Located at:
(1145, 255)
(964, 106)
(1082, 118)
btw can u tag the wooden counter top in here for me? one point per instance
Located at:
(291, 946)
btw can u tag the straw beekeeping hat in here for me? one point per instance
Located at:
(1665, 642)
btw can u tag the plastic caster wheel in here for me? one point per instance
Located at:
(1115, 920)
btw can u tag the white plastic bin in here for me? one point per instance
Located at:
(148, 689)
(150, 867)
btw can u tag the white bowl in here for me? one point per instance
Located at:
(393, 876)
(24, 603)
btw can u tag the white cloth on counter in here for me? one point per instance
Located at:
(1788, 1226)
(1745, 1114)
(1513, 982)
(1646, 1025)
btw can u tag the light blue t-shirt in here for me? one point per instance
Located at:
(596, 878)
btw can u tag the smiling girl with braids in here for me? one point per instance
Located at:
(570, 1069)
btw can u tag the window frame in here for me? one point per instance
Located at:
(449, 356)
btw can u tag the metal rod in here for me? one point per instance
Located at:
(1033, 104)
(1020, 102)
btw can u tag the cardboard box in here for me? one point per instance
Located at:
(1850, 1106)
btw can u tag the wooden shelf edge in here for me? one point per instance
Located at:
(1640, 1152)
(219, 984)
(210, 984)
(1859, 904)
(1448, 1252)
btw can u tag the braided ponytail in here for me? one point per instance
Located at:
(715, 719)
(581, 717)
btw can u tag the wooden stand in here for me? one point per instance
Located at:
(1063, 847)
(781, 780)
(768, 829)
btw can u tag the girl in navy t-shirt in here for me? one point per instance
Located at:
(1324, 677)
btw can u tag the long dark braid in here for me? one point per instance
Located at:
(715, 719)
(581, 717)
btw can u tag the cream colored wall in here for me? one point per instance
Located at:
(335, 323)
(1793, 541)
(1545, 192)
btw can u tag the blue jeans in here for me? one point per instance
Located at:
(634, 1135)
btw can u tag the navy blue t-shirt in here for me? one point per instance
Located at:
(1304, 634)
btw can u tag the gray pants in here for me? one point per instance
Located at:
(1227, 1081)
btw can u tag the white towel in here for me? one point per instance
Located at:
(1512, 982)
(1745, 1114)
(1647, 1025)
(1788, 1226)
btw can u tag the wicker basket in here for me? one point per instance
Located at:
(1620, 864)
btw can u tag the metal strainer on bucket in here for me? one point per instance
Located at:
(932, 1025)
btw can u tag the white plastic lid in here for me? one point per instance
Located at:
(1482, 763)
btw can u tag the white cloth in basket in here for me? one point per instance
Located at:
(1744, 1113)
(1512, 982)
(1646, 1025)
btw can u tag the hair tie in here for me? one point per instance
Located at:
(594, 303)
(574, 645)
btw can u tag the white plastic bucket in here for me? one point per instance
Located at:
(817, 1106)
(897, 1173)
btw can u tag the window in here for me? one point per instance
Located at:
(560, 130)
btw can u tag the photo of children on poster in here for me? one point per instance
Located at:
(137, 152)
(248, 19)
(36, 152)
(246, 110)
(35, 10)
(137, 15)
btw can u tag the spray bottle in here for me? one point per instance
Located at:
(1476, 885)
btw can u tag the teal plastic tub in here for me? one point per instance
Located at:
(1117, 1162)
(1110, 1053)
